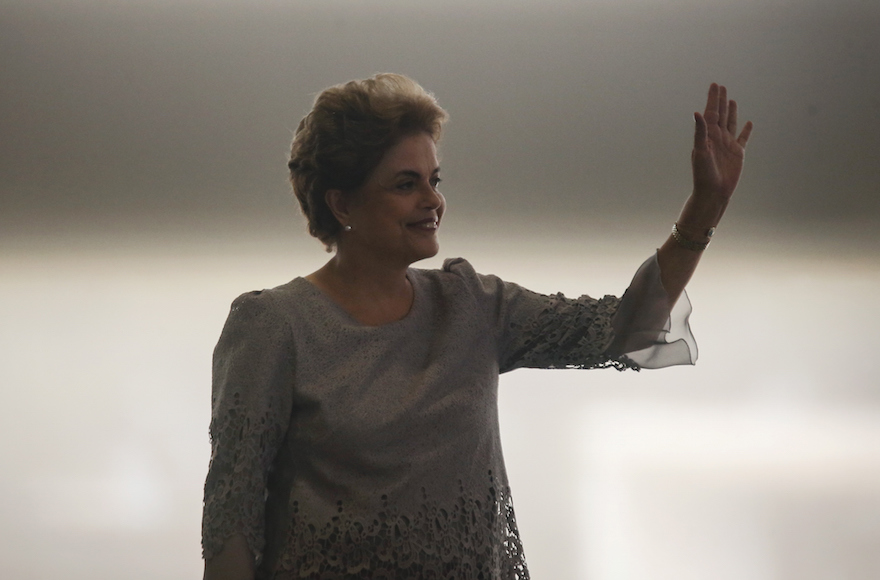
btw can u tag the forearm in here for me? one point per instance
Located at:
(234, 562)
(678, 263)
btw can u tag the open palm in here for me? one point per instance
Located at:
(717, 158)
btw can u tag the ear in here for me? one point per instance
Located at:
(339, 204)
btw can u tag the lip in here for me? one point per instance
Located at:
(428, 224)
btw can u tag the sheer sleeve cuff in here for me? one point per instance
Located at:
(646, 331)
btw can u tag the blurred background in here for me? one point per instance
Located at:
(143, 187)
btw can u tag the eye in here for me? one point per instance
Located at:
(435, 181)
(406, 185)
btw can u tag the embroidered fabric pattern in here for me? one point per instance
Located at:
(302, 416)
(578, 329)
(230, 505)
(476, 538)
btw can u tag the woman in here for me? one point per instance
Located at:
(354, 427)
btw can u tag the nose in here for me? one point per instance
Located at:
(432, 198)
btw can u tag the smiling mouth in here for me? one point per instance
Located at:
(428, 224)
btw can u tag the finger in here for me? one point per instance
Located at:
(722, 106)
(731, 117)
(744, 136)
(711, 114)
(700, 131)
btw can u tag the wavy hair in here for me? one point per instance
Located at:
(344, 137)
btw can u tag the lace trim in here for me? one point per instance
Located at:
(569, 333)
(233, 504)
(474, 538)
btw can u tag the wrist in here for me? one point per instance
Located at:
(701, 232)
(701, 212)
(690, 238)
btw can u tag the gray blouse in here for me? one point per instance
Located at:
(344, 450)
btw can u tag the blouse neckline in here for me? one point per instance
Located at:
(414, 310)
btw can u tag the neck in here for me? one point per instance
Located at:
(372, 293)
(366, 277)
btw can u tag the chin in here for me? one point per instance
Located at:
(425, 253)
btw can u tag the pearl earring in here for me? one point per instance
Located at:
(346, 228)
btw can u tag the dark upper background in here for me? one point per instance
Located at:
(170, 118)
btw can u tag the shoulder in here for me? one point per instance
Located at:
(263, 302)
(458, 266)
(461, 270)
(250, 303)
(257, 329)
(252, 313)
(482, 284)
(457, 284)
(262, 310)
(458, 276)
(255, 308)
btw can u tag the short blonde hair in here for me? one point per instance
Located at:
(344, 137)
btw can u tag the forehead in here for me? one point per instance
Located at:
(413, 153)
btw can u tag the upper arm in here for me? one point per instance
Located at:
(252, 388)
(537, 330)
(552, 331)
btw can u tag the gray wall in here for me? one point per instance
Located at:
(181, 112)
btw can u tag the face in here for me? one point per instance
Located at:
(395, 215)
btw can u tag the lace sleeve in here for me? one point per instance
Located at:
(647, 331)
(251, 406)
(540, 331)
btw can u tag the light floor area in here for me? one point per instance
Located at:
(761, 462)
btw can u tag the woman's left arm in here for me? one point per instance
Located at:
(717, 162)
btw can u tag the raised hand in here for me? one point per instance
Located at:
(717, 158)
(717, 162)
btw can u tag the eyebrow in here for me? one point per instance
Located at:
(414, 174)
